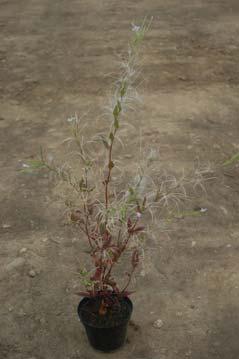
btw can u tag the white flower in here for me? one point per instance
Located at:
(135, 28)
(73, 119)
(25, 165)
(138, 215)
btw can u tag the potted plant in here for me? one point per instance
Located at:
(110, 218)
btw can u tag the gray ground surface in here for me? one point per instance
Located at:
(55, 57)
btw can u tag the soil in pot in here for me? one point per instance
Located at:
(105, 332)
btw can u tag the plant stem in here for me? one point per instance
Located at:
(107, 181)
(129, 280)
(86, 226)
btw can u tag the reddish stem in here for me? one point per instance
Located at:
(129, 280)
(86, 226)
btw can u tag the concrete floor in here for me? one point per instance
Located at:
(57, 58)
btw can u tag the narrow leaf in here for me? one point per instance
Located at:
(116, 123)
(111, 136)
(123, 89)
(102, 228)
(232, 160)
(119, 106)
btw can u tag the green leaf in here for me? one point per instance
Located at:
(83, 272)
(123, 214)
(116, 123)
(36, 163)
(123, 89)
(111, 136)
(117, 110)
(87, 282)
(33, 165)
(132, 198)
(102, 228)
(119, 106)
(232, 160)
(192, 213)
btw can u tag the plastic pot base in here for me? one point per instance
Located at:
(106, 339)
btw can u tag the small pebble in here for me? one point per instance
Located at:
(158, 324)
(200, 209)
(74, 240)
(32, 273)
(23, 250)
(194, 243)
(22, 313)
(182, 78)
(5, 226)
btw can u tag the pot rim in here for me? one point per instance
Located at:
(124, 322)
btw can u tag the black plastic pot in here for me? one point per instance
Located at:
(106, 339)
